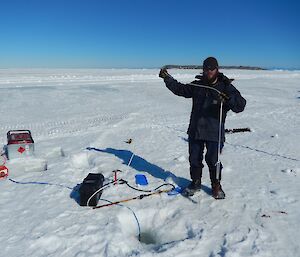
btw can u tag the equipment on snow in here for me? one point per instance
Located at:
(91, 189)
(116, 175)
(133, 198)
(20, 144)
(3, 172)
(122, 181)
(141, 179)
(129, 141)
(237, 130)
(3, 168)
(92, 183)
(218, 164)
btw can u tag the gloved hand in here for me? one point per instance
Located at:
(223, 97)
(164, 73)
(228, 102)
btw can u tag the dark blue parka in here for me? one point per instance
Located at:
(204, 120)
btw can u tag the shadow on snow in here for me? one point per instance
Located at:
(140, 164)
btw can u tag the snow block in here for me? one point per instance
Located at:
(31, 164)
(92, 183)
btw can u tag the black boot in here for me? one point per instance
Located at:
(193, 188)
(217, 191)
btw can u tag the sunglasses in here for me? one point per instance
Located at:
(206, 69)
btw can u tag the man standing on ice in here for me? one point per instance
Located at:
(210, 94)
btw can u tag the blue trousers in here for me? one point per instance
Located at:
(196, 150)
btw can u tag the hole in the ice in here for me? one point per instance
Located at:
(147, 238)
(147, 227)
(139, 226)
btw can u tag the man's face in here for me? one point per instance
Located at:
(210, 73)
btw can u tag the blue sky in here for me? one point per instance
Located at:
(146, 34)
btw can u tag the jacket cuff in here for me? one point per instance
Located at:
(168, 78)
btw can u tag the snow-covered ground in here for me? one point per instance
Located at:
(70, 110)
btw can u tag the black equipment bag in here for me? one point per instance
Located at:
(92, 183)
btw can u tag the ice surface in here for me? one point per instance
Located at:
(70, 110)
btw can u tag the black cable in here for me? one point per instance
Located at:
(146, 191)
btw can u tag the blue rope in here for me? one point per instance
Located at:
(137, 221)
(38, 183)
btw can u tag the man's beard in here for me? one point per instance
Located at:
(211, 80)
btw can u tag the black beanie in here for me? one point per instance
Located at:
(210, 63)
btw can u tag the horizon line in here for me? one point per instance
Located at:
(241, 67)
